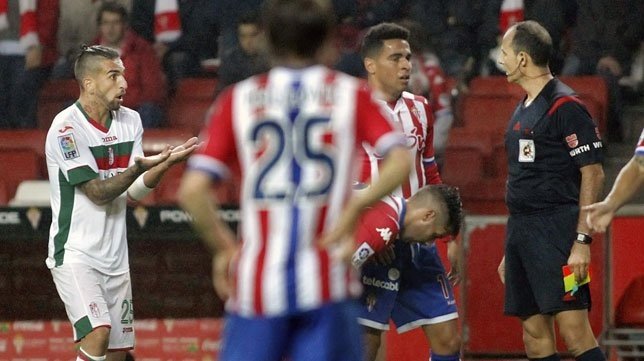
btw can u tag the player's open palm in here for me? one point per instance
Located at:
(183, 151)
(153, 160)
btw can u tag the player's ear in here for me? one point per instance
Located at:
(430, 215)
(369, 65)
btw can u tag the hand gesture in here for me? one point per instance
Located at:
(599, 216)
(453, 255)
(221, 275)
(183, 151)
(579, 260)
(146, 163)
(342, 234)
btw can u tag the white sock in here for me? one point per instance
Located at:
(84, 356)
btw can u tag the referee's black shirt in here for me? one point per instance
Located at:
(546, 144)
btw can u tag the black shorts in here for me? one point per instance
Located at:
(536, 247)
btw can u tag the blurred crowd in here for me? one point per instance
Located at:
(163, 41)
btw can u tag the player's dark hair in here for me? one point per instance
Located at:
(297, 27)
(376, 35)
(111, 7)
(534, 39)
(450, 197)
(86, 59)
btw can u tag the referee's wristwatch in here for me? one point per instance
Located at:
(583, 238)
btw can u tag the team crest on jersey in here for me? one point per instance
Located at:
(68, 146)
(110, 155)
(526, 151)
(415, 112)
(572, 140)
(93, 308)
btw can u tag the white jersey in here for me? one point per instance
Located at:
(414, 117)
(79, 149)
(294, 135)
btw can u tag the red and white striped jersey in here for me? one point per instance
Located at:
(378, 227)
(639, 151)
(294, 135)
(414, 117)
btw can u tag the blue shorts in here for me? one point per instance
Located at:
(329, 333)
(413, 291)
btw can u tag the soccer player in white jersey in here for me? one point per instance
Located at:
(294, 133)
(629, 181)
(426, 298)
(95, 161)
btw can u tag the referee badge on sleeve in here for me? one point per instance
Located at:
(526, 150)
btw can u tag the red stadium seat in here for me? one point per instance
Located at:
(189, 105)
(494, 85)
(593, 87)
(19, 165)
(488, 114)
(465, 156)
(4, 194)
(55, 96)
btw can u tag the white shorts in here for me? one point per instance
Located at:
(93, 299)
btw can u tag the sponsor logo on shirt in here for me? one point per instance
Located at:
(68, 146)
(385, 234)
(109, 139)
(65, 128)
(373, 281)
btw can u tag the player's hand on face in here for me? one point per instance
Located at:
(579, 260)
(501, 270)
(148, 162)
(598, 216)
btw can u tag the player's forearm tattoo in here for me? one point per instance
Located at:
(640, 161)
(104, 191)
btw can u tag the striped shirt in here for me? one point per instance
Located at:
(293, 135)
(414, 117)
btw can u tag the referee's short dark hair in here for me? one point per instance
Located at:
(534, 39)
(377, 34)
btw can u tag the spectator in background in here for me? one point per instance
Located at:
(27, 53)
(248, 57)
(607, 34)
(182, 32)
(558, 17)
(146, 89)
(228, 14)
(462, 32)
(427, 79)
(76, 26)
